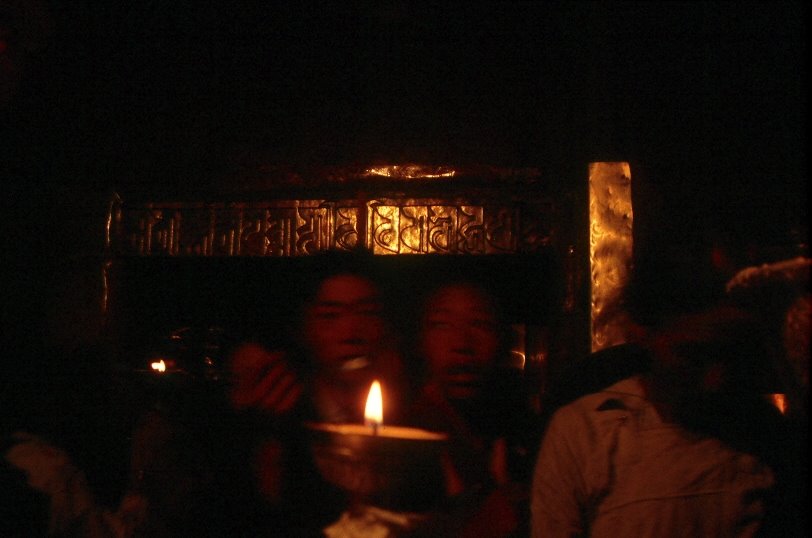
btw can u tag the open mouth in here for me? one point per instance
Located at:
(464, 380)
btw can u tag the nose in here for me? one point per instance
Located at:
(461, 346)
(355, 329)
(460, 337)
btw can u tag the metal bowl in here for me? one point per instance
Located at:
(390, 462)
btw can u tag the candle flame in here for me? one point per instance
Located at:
(158, 366)
(373, 412)
(779, 401)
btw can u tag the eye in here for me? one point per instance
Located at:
(484, 324)
(438, 323)
(326, 313)
(370, 311)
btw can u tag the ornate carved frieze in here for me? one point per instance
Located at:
(303, 227)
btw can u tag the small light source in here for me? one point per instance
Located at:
(158, 366)
(373, 412)
(779, 401)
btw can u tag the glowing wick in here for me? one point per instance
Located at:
(159, 366)
(373, 412)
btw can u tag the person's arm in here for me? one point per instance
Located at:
(554, 504)
(72, 508)
(263, 380)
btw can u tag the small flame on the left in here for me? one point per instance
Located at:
(779, 401)
(158, 366)
(373, 412)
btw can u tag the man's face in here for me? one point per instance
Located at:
(460, 340)
(344, 321)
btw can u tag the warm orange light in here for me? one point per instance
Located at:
(779, 401)
(158, 366)
(412, 171)
(610, 249)
(373, 412)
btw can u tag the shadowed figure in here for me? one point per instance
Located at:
(686, 442)
(470, 392)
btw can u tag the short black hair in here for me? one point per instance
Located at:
(670, 279)
(326, 264)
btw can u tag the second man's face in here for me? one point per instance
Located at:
(460, 340)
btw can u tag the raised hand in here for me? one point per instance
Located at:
(263, 380)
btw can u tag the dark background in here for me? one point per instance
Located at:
(707, 100)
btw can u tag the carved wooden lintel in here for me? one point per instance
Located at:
(302, 227)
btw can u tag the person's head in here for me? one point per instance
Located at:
(796, 337)
(679, 269)
(342, 319)
(711, 355)
(780, 292)
(462, 338)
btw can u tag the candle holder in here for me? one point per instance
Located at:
(386, 462)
